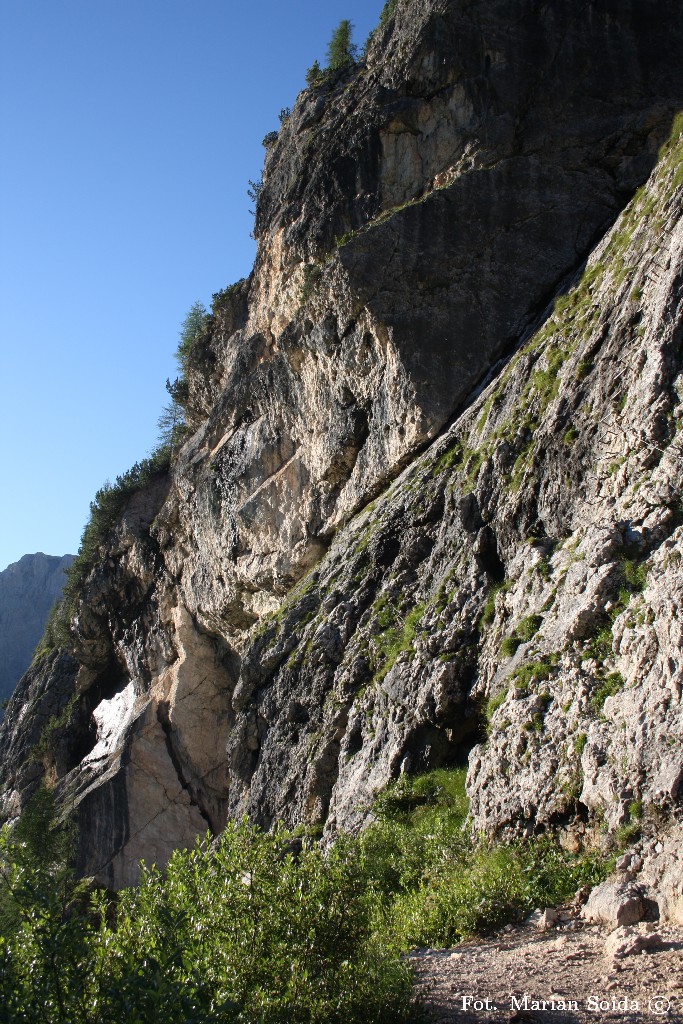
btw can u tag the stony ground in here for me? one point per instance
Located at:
(582, 973)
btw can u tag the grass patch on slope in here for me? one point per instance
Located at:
(439, 884)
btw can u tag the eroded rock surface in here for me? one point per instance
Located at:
(420, 329)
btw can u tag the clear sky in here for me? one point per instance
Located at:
(128, 132)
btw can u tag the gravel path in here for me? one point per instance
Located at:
(571, 967)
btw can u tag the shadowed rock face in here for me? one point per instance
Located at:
(415, 220)
(28, 590)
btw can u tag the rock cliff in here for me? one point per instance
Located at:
(28, 590)
(465, 311)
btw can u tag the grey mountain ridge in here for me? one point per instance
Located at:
(28, 590)
(429, 509)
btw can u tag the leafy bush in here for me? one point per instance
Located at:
(525, 631)
(607, 687)
(236, 931)
(222, 298)
(257, 928)
(509, 646)
(192, 328)
(254, 191)
(539, 670)
(171, 423)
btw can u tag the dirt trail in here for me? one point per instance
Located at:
(571, 967)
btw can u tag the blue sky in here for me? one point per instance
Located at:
(128, 132)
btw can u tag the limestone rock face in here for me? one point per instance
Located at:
(421, 332)
(28, 590)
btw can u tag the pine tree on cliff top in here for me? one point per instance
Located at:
(341, 53)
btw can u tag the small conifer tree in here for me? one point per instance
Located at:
(314, 74)
(341, 53)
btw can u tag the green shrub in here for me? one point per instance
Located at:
(223, 298)
(529, 627)
(524, 632)
(635, 575)
(489, 609)
(580, 741)
(492, 705)
(393, 633)
(539, 670)
(192, 328)
(234, 931)
(265, 928)
(314, 75)
(254, 192)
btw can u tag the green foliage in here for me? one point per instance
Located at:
(580, 741)
(171, 423)
(388, 11)
(192, 328)
(269, 139)
(254, 192)
(111, 499)
(583, 369)
(55, 634)
(393, 634)
(264, 928)
(341, 51)
(284, 115)
(509, 646)
(489, 610)
(105, 511)
(538, 670)
(600, 646)
(223, 298)
(53, 728)
(633, 579)
(543, 568)
(450, 459)
(439, 884)
(492, 705)
(525, 631)
(236, 931)
(314, 75)
(607, 687)
(635, 575)
(529, 627)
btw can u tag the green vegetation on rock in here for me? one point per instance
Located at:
(254, 927)
(264, 927)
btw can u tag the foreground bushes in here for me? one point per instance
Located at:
(263, 928)
(241, 931)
